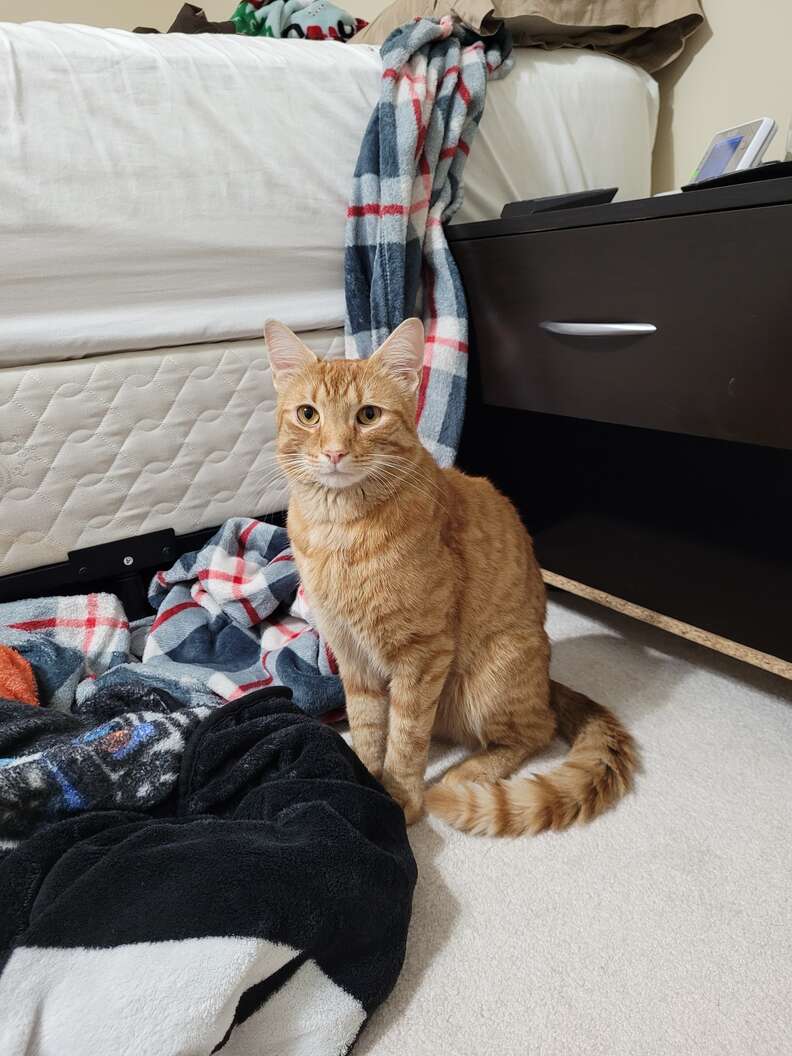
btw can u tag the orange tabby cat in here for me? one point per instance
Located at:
(425, 585)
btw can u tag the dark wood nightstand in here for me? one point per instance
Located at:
(652, 464)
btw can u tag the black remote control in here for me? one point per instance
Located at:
(557, 202)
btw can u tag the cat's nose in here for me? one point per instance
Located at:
(334, 456)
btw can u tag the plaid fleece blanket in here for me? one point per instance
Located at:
(407, 184)
(232, 617)
(120, 701)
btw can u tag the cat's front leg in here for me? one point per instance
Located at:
(367, 711)
(417, 681)
(367, 708)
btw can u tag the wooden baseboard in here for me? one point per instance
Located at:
(667, 623)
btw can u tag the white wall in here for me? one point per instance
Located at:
(735, 69)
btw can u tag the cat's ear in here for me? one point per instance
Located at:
(402, 354)
(287, 353)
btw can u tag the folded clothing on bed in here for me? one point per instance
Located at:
(303, 19)
(263, 907)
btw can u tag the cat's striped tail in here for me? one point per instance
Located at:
(597, 772)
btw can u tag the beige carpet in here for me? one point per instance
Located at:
(662, 929)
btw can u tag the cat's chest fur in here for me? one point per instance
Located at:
(350, 574)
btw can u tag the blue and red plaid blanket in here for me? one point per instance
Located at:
(233, 617)
(407, 184)
(120, 701)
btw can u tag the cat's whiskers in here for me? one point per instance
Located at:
(405, 463)
(380, 478)
(387, 475)
(368, 464)
(274, 470)
(301, 467)
(409, 483)
(412, 476)
(379, 466)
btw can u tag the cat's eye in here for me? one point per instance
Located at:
(307, 414)
(368, 415)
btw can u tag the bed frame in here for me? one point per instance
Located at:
(123, 567)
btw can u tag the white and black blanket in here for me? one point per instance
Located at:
(260, 907)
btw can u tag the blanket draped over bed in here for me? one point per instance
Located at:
(407, 184)
(262, 907)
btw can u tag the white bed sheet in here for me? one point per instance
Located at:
(168, 190)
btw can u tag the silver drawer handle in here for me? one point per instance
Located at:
(599, 329)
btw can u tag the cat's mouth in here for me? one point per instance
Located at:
(330, 476)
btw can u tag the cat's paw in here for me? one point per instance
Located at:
(410, 799)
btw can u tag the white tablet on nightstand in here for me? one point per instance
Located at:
(735, 149)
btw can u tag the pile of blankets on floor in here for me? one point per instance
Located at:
(188, 861)
(407, 185)
(121, 701)
(261, 906)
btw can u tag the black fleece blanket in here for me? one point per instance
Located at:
(262, 908)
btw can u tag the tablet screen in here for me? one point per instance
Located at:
(717, 161)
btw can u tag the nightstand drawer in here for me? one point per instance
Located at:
(707, 300)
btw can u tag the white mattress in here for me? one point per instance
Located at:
(114, 446)
(165, 190)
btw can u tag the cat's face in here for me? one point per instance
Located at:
(343, 422)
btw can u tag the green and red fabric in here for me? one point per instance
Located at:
(312, 20)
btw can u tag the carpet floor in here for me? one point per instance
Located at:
(664, 928)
